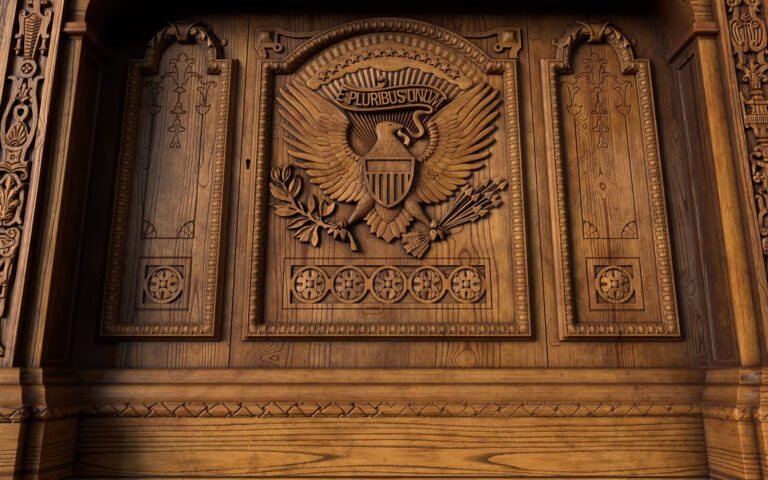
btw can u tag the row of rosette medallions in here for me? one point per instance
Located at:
(388, 284)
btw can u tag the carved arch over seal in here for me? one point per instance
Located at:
(594, 32)
(394, 25)
(184, 33)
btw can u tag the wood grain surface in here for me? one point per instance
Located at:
(392, 448)
(243, 37)
(449, 354)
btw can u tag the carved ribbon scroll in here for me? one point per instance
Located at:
(165, 265)
(612, 254)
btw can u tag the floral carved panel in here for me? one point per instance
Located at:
(165, 265)
(612, 255)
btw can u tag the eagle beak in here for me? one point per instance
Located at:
(403, 136)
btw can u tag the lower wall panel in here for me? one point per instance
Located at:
(10, 443)
(733, 450)
(447, 447)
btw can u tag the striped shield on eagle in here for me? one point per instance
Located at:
(388, 167)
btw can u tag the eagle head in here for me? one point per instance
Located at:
(389, 129)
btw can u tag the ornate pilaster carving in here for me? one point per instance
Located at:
(749, 40)
(18, 130)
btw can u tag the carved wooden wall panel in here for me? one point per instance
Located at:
(165, 266)
(612, 253)
(277, 283)
(390, 194)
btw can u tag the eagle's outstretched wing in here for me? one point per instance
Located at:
(460, 134)
(319, 142)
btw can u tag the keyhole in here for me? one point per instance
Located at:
(247, 163)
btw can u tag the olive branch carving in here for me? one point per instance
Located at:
(306, 220)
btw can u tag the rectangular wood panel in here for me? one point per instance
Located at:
(391, 187)
(612, 245)
(169, 221)
(387, 447)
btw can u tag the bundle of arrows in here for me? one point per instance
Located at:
(470, 205)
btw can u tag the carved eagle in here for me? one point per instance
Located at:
(401, 171)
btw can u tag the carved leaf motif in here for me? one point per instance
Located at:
(748, 38)
(9, 242)
(591, 231)
(295, 187)
(148, 230)
(286, 174)
(297, 223)
(11, 196)
(279, 192)
(285, 211)
(187, 230)
(311, 218)
(315, 237)
(630, 230)
(16, 135)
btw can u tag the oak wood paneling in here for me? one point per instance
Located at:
(361, 422)
(393, 447)
(605, 177)
(247, 403)
(244, 35)
(10, 449)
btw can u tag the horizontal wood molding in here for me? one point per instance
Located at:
(393, 376)
(400, 422)
(340, 393)
(634, 409)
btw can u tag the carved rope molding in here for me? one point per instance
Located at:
(19, 130)
(749, 42)
(342, 409)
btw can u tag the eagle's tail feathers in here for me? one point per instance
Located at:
(385, 228)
